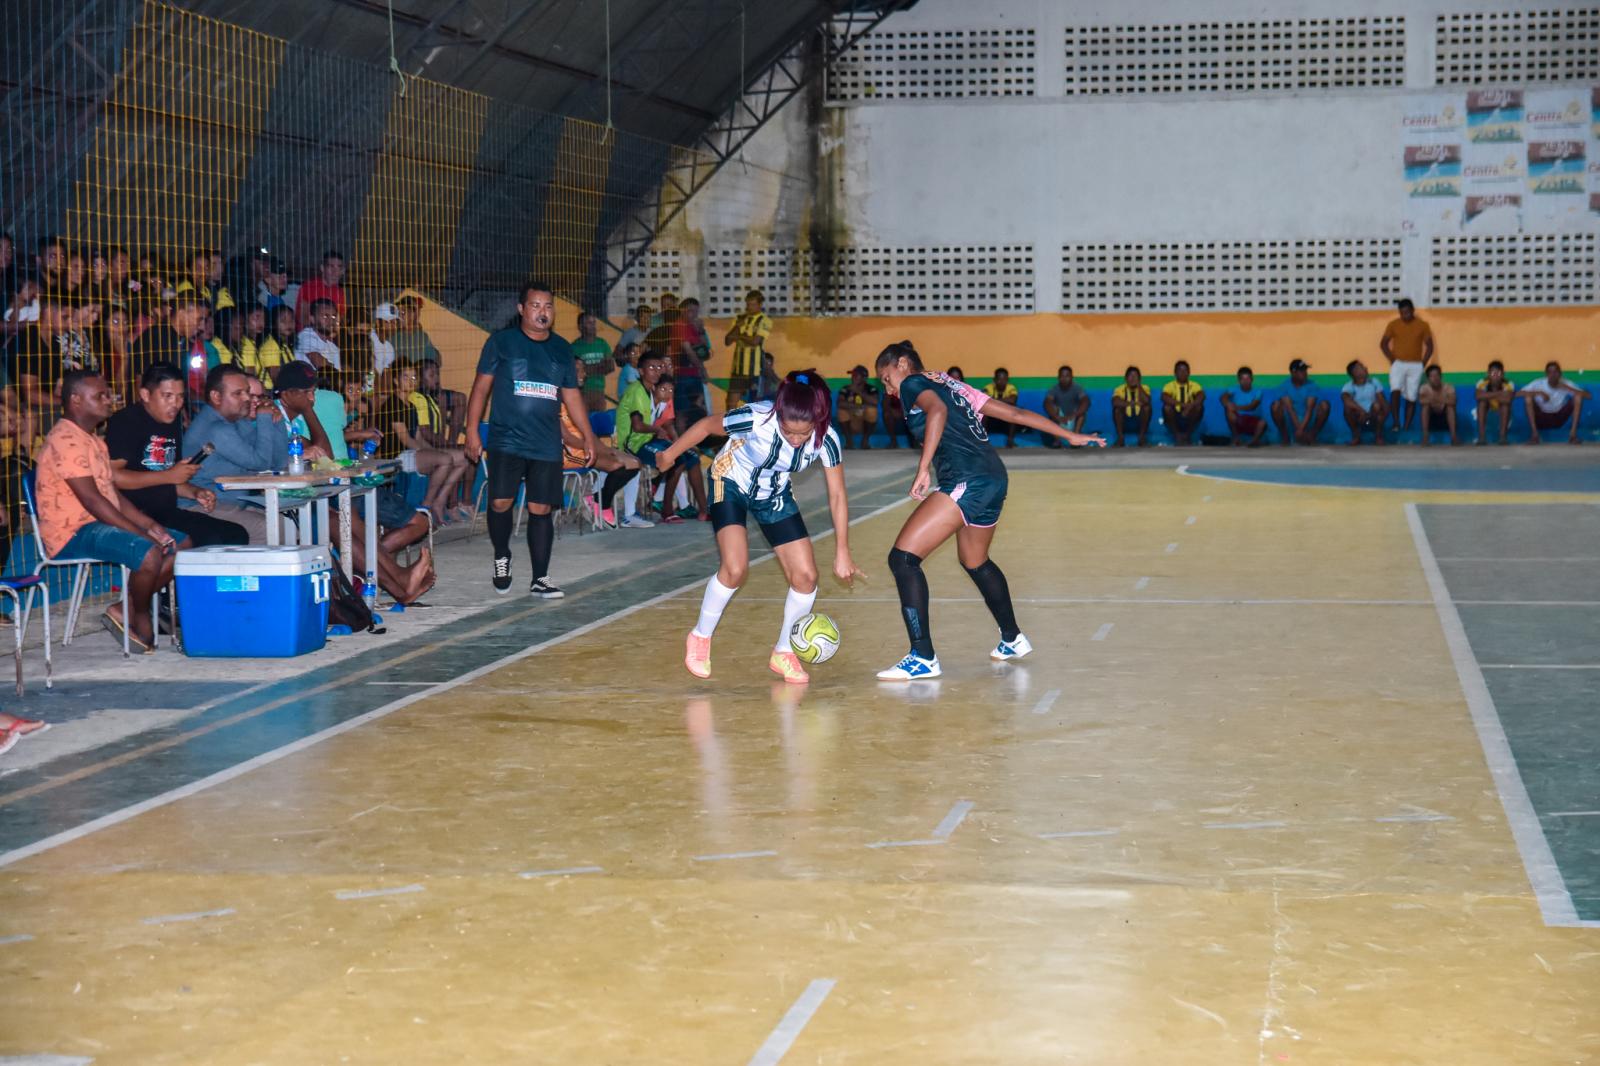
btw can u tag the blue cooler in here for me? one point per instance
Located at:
(253, 602)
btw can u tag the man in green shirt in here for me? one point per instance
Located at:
(640, 437)
(411, 345)
(597, 362)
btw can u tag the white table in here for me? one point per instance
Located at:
(323, 487)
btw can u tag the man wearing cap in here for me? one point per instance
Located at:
(1300, 410)
(385, 324)
(411, 343)
(271, 290)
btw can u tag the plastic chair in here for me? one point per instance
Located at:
(13, 587)
(80, 579)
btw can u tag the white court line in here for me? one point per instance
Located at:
(1243, 825)
(1539, 666)
(374, 893)
(66, 836)
(1172, 547)
(1080, 833)
(1047, 701)
(1544, 876)
(907, 843)
(1573, 814)
(192, 916)
(725, 856)
(405, 684)
(1142, 584)
(794, 1021)
(16, 938)
(566, 872)
(953, 820)
(1063, 601)
(1104, 631)
(1416, 818)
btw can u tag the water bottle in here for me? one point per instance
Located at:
(297, 455)
(369, 448)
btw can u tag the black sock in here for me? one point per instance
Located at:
(613, 484)
(913, 586)
(501, 523)
(541, 539)
(997, 594)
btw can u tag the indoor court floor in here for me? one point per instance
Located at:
(1297, 774)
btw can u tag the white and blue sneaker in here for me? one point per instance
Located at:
(1011, 649)
(912, 668)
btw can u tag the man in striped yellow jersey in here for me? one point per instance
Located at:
(749, 338)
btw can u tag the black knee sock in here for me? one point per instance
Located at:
(997, 594)
(501, 523)
(613, 484)
(913, 586)
(541, 538)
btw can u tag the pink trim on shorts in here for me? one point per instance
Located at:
(955, 498)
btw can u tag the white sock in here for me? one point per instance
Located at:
(681, 497)
(712, 605)
(796, 606)
(630, 498)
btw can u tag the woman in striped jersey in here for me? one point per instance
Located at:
(768, 442)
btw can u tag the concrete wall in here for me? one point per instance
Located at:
(1049, 169)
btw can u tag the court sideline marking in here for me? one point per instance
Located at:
(123, 814)
(794, 1021)
(1555, 902)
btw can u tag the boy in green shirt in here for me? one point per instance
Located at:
(637, 436)
(597, 362)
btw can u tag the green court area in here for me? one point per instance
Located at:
(1525, 583)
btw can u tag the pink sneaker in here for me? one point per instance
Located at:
(697, 655)
(787, 665)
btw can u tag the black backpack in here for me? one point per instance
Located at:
(347, 608)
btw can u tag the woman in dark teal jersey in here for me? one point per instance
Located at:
(962, 485)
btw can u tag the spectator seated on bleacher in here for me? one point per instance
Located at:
(411, 343)
(1364, 405)
(857, 408)
(1183, 405)
(451, 404)
(1438, 403)
(242, 440)
(1000, 388)
(619, 467)
(1300, 412)
(399, 414)
(318, 343)
(1130, 408)
(1552, 402)
(82, 516)
(1246, 408)
(145, 441)
(296, 402)
(1066, 403)
(1494, 395)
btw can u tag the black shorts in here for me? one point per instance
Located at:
(541, 477)
(778, 518)
(1437, 420)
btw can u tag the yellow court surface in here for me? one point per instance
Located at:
(1235, 809)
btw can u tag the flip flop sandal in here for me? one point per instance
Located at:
(113, 625)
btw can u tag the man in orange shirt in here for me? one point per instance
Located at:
(1408, 345)
(82, 516)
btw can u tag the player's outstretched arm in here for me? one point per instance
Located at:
(1007, 413)
(839, 510)
(688, 439)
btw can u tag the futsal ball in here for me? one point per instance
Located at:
(815, 638)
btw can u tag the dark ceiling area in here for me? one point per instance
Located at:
(675, 65)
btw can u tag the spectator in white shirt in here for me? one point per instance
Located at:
(385, 324)
(1552, 401)
(315, 344)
